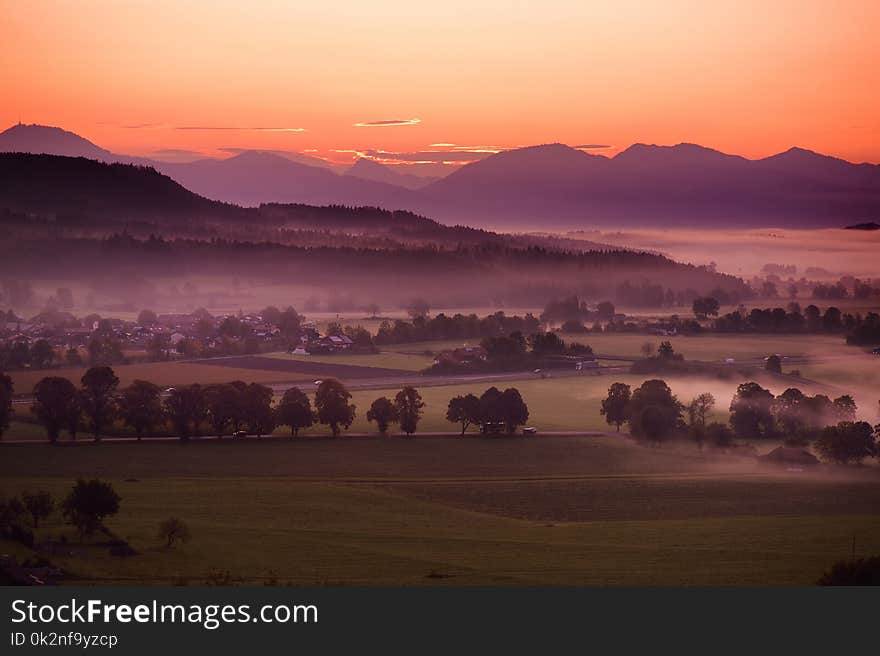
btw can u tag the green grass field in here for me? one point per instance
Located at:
(161, 373)
(448, 511)
(383, 360)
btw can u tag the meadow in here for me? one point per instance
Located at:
(435, 511)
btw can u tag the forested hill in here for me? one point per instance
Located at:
(79, 187)
(102, 198)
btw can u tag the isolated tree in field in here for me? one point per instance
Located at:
(654, 411)
(847, 442)
(56, 405)
(332, 405)
(647, 350)
(295, 410)
(39, 505)
(6, 390)
(258, 405)
(700, 407)
(464, 410)
(186, 407)
(384, 412)
(705, 306)
(615, 405)
(751, 411)
(173, 530)
(773, 364)
(514, 411)
(140, 406)
(88, 504)
(665, 351)
(98, 394)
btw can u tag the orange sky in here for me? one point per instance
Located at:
(743, 77)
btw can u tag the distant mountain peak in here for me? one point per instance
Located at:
(369, 169)
(50, 140)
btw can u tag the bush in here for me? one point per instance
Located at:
(862, 571)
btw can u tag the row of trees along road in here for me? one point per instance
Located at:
(231, 407)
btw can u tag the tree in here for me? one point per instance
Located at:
(39, 504)
(847, 442)
(332, 405)
(514, 411)
(147, 318)
(159, 346)
(773, 364)
(72, 357)
(173, 530)
(221, 401)
(104, 349)
(409, 406)
(751, 411)
(258, 409)
(56, 405)
(290, 324)
(42, 354)
(860, 571)
(654, 411)
(464, 410)
(845, 408)
(417, 307)
(99, 386)
(704, 306)
(88, 504)
(700, 407)
(647, 350)
(546, 343)
(140, 406)
(295, 410)
(605, 310)
(665, 351)
(615, 405)
(719, 435)
(12, 513)
(6, 391)
(491, 417)
(186, 407)
(384, 412)
(789, 408)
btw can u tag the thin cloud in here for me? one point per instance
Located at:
(388, 123)
(428, 156)
(591, 147)
(178, 152)
(232, 127)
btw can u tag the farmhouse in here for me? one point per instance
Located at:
(790, 456)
